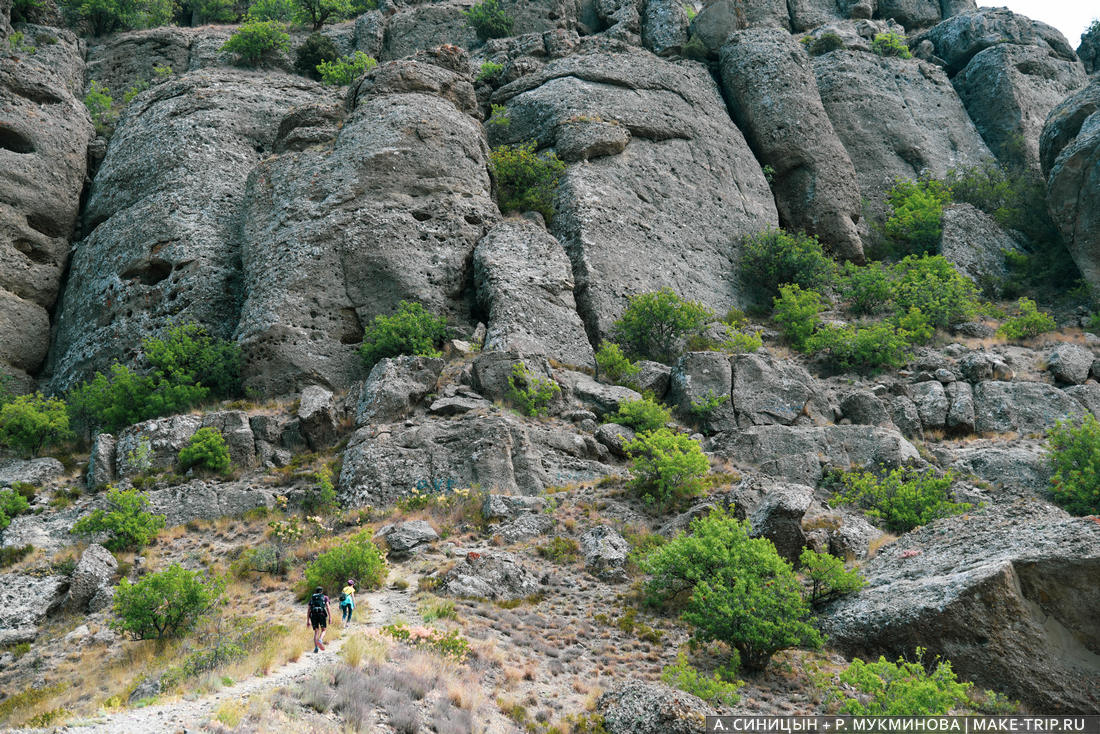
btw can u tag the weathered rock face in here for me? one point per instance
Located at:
(863, 407)
(93, 572)
(664, 26)
(156, 444)
(807, 14)
(1017, 471)
(1089, 50)
(338, 236)
(1023, 407)
(636, 707)
(525, 284)
(1070, 153)
(1009, 90)
(44, 135)
(605, 552)
(509, 507)
(770, 86)
(1070, 363)
(317, 417)
(35, 471)
(927, 129)
(959, 39)
(125, 59)
(910, 13)
(769, 391)
(974, 242)
(24, 603)
(408, 537)
(201, 500)
(634, 222)
(1005, 594)
(101, 461)
(493, 575)
(779, 519)
(717, 20)
(163, 215)
(394, 387)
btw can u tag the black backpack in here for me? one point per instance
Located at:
(343, 597)
(317, 604)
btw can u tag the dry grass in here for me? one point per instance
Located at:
(879, 543)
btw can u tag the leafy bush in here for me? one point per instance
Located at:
(530, 394)
(867, 289)
(490, 20)
(933, 285)
(356, 558)
(257, 39)
(656, 324)
(797, 313)
(315, 50)
(891, 44)
(527, 181)
(863, 348)
(899, 689)
(720, 689)
(205, 450)
(412, 330)
(31, 422)
(214, 11)
(126, 519)
(100, 106)
(11, 504)
(488, 70)
(825, 43)
(774, 257)
(1074, 456)
(284, 11)
(164, 604)
(316, 12)
(739, 340)
(323, 498)
(901, 499)
(641, 415)
(666, 467)
(560, 550)
(346, 69)
(187, 354)
(1029, 321)
(828, 577)
(739, 591)
(613, 364)
(915, 223)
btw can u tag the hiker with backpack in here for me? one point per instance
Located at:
(347, 601)
(317, 614)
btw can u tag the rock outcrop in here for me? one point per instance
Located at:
(490, 575)
(605, 552)
(394, 386)
(94, 572)
(975, 244)
(637, 707)
(959, 39)
(24, 603)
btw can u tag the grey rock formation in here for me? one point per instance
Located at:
(163, 215)
(1015, 471)
(928, 130)
(202, 500)
(862, 407)
(24, 603)
(492, 370)
(1005, 594)
(390, 211)
(704, 376)
(605, 552)
(525, 527)
(779, 519)
(1088, 395)
(770, 86)
(317, 416)
(33, 471)
(44, 135)
(101, 461)
(769, 391)
(717, 20)
(904, 414)
(652, 377)
(910, 13)
(122, 60)
(406, 538)
(525, 284)
(236, 429)
(626, 220)
(153, 444)
(597, 396)
(1070, 150)
(1070, 363)
(809, 14)
(394, 387)
(637, 707)
(851, 538)
(509, 507)
(1089, 50)
(974, 242)
(932, 403)
(664, 26)
(1009, 90)
(978, 366)
(615, 438)
(1021, 407)
(94, 571)
(490, 575)
(960, 415)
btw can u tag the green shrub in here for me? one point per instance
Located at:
(828, 577)
(489, 19)
(206, 450)
(1029, 321)
(825, 43)
(530, 394)
(867, 289)
(738, 590)
(103, 16)
(316, 12)
(130, 525)
(187, 354)
(214, 11)
(1074, 456)
(498, 116)
(666, 467)
(111, 403)
(891, 44)
(356, 558)
(934, 286)
(100, 106)
(720, 689)
(322, 499)
(11, 504)
(901, 499)
(655, 325)
(916, 217)
(526, 180)
(412, 330)
(613, 365)
(346, 69)
(641, 415)
(315, 50)
(774, 257)
(560, 550)
(12, 554)
(488, 70)
(29, 423)
(871, 347)
(899, 689)
(704, 407)
(284, 11)
(797, 313)
(165, 604)
(739, 341)
(255, 40)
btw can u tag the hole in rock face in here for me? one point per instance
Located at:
(46, 225)
(34, 253)
(150, 272)
(15, 141)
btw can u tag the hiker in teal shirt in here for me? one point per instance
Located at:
(347, 601)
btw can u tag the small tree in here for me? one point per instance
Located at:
(12, 503)
(412, 330)
(891, 44)
(526, 180)
(530, 394)
(666, 466)
(1074, 455)
(902, 499)
(187, 354)
(165, 604)
(933, 285)
(899, 689)
(774, 257)
(357, 558)
(257, 39)
(828, 577)
(797, 313)
(916, 219)
(315, 50)
(126, 519)
(490, 20)
(346, 69)
(655, 325)
(641, 415)
(30, 422)
(1028, 322)
(316, 12)
(735, 589)
(613, 365)
(100, 106)
(205, 450)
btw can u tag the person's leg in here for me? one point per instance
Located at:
(321, 639)
(316, 637)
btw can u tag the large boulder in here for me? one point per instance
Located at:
(769, 391)
(637, 707)
(932, 403)
(961, 38)
(975, 244)
(1014, 471)
(391, 210)
(394, 387)
(525, 284)
(163, 215)
(600, 397)
(769, 83)
(33, 471)
(94, 571)
(406, 538)
(809, 14)
(863, 407)
(153, 444)
(779, 519)
(1070, 364)
(664, 26)
(910, 13)
(1089, 50)
(202, 500)
(605, 552)
(317, 417)
(1070, 153)
(634, 221)
(121, 61)
(1021, 407)
(1007, 594)
(44, 135)
(101, 461)
(926, 131)
(701, 377)
(490, 575)
(24, 603)
(718, 19)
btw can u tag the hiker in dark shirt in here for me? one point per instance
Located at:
(317, 615)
